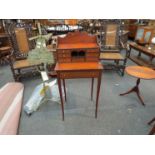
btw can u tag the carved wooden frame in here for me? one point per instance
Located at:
(103, 34)
(11, 32)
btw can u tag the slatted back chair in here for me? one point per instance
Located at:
(111, 46)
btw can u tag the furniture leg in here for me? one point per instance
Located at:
(124, 62)
(151, 58)
(152, 131)
(92, 87)
(149, 123)
(136, 90)
(140, 98)
(61, 97)
(129, 53)
(64, 86)
(98, 92)
(139, 54)
(128, 92)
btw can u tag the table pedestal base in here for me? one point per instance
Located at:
(136, 90)
(152, 131)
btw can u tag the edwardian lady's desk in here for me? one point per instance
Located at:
(78, 57)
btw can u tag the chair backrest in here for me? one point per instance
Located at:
(110, 36)
(19, 35)
(22, 40)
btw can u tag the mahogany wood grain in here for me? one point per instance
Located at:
(3, 35)
(141, 72)
(152, 131)
(70, 47)
(78, 66)
(22, 40)
(78, 46)
(78, 70)
(92, 87)
(78, 57)
(77, 37)
(71, 21)
(142, 49)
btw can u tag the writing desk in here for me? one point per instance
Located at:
(78, 70)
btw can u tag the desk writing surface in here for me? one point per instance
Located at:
(78, 66)
(77, 46)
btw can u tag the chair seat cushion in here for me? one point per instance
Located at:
(24, 64)
(111, 56)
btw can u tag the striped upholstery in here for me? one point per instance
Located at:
(11, 96)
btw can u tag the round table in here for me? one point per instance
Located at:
(139, 72)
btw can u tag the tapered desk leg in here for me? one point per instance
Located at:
(61, 97)
(64, 89)
(136, 90)
(92, 87)
(98, 92)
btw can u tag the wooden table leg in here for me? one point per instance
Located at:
(98, 92)
(151, 58)
(64, 86)
(61, 97)
(152, 131)
(92, 87)
(149, 123)
(139, 54)
(135, 89)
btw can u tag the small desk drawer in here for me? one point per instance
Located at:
(91, 59)
(93, 54)
(64, 55)
(63, 51)
(78, 74)
(64, 60)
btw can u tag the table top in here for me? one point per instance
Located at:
(141, 72)
(142, 48)
(79, 66)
